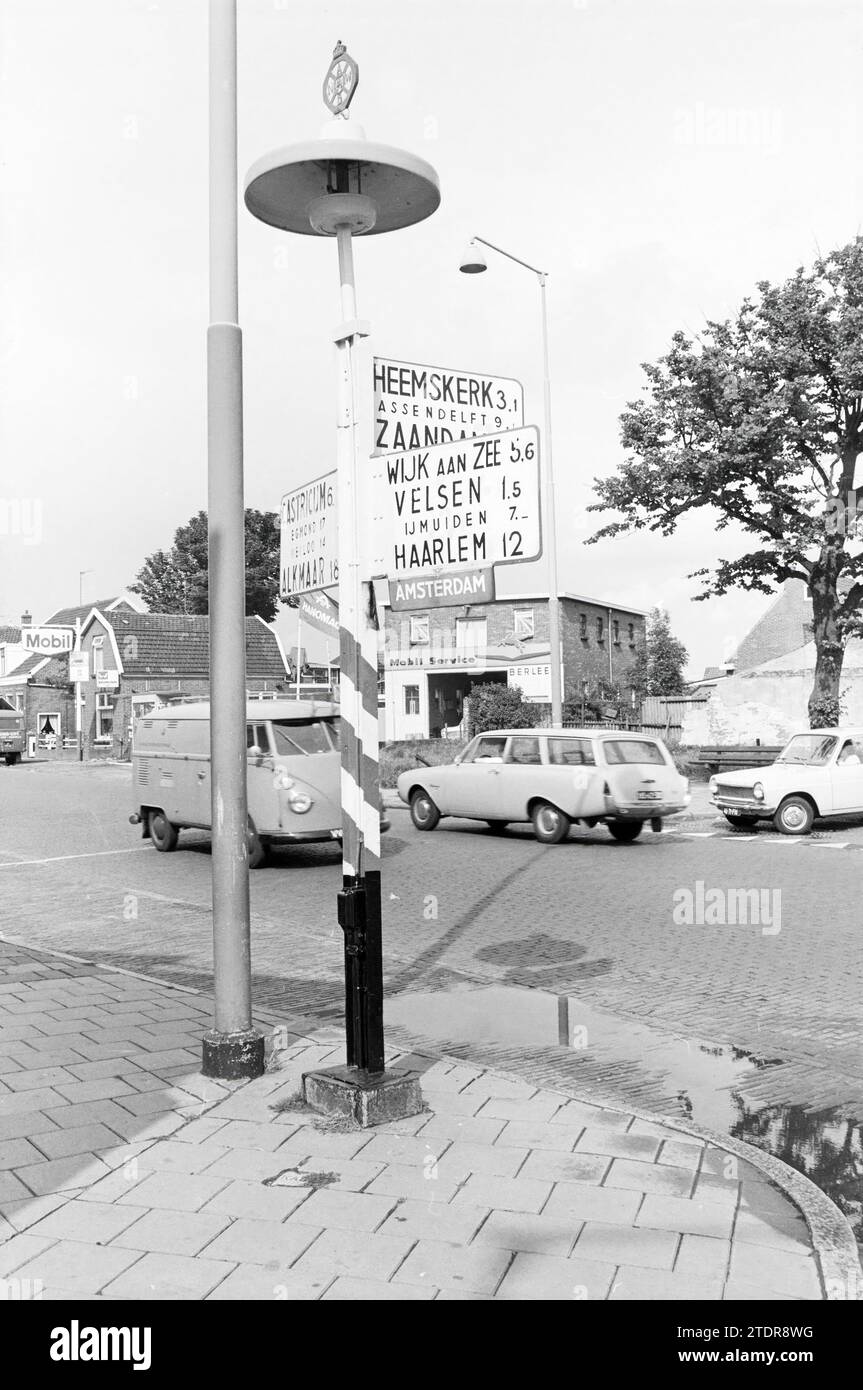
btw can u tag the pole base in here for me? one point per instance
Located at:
(233, 1056)
(367, 1098)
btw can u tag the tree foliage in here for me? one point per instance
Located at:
(494, 705)
(658, 665)
(176, 580)
(759, 421)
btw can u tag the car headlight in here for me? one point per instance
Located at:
(713, 784)
(758, 791)
(300, 802)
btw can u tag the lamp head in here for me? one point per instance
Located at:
(473, 262)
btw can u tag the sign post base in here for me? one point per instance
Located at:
(367, 1098)
(233, 1056)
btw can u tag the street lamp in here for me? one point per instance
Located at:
(341, 186)
(79, 701)
(474, 263)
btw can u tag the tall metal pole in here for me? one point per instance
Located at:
(232, 1048)
(551, 528)
(360, 899)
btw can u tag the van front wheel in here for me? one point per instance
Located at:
(257, 849)
(163, 832)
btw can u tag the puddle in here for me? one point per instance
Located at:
(558, 1038)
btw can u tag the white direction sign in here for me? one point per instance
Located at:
(309, 538)
(48, 641)
(471, 502)
(418, 406)
(79, 667)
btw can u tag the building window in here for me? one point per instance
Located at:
(471, 637)
(524, 624)
(98, 655)
(419, 634)
(412, 699)
(599, 630)
(582, 622)
(631, 627)
(104, 716)
(615, 632)
(48, 725)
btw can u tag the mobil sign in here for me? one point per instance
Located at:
(48, 641)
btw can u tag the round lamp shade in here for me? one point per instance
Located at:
(286, 187)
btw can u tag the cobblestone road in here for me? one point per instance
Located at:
(591, 919)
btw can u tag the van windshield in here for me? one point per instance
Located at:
(295, 736)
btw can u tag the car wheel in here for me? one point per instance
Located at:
(794, 816)
(424, 814)
(257, 848)
(550, 825)
(163, 832)
(625, 830)
(497, 827)
(742, 822)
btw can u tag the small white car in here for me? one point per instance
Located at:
(818, 773)
(551, 778)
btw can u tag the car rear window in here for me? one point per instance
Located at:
(571, 752)
(631, 750)
(293, 736)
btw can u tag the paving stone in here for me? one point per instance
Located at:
(508, 1194)
(168, 1155)
(736, 1290)
(407, 1180)
(172, 1232)
(782, 1271)
(711, 1188)
(544, 1277)
(456, 1103)
(461, 1159)
(62, 1174)
(436, 1264)
(357, 1290)
(703, 1256)
(405, 1149)
(576, 1113)
(254, 1165)
(138, 1127)
(198, 1130)
(358, 1254)
(263, 1242)
(553, 1166)
(645, 1284)
(541, 1235)
(151, 1102)
(456, 1224)
(21, 1215)
(169, 1276)
(265, 1283)
(686, 1215)
(256, 1202)
(350, 1174)
(34, 1080)
(96, 1112)
(519, 1134)
(603, 1141)
(613, 1205)
(118, 1183)
(76, 1267)
(779, 1232)
(14, 1153)
(19, 1102)
(626, 1245)
(538, 1109)
(174, 1191)
(248, 1134)
(64, 1143)
(19, 1250)
(105, 1088)
(492, 1084)
(94, 1223)
(22, 1126)
(468, 1129)
(309, 1142)
(649, 1177)
(345, 1211)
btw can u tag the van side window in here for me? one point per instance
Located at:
(571, 752)
(296, 736)
(523, 750)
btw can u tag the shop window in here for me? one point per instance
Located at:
(419, 633)
(104, 716)
(524, 624)
(412, 699)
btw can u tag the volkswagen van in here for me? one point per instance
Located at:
(552, 778)
(293, 773)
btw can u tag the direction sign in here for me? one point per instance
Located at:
(418, 406)
(48, 641)
(79, 666)
(471, 503)
(442, 590)
(309, 538)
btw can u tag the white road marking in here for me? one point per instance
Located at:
(832, 844)
(699, 834)
(61, 858)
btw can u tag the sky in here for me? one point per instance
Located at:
(656, 158)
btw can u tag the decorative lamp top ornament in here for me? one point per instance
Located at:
(341, 81)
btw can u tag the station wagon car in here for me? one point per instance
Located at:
(818, 773)
(551, 778)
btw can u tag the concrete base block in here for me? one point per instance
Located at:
(367, 1098)
(233, 1056)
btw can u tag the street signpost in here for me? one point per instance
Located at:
(442, 590)
(474, 502)
(417, 406)
(79, 667)
(309, 537)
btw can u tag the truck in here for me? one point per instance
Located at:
(11, 733)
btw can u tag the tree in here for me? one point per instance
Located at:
(494, 705)
(176, 581)
(659, 663)
(760, 421)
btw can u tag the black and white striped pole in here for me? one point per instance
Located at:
(342, 186)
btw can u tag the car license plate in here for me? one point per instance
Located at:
(650, 796)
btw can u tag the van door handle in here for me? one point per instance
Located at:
(201, 776)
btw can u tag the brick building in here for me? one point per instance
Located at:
(432, 658)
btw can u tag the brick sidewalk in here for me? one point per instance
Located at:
(126, 1174)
